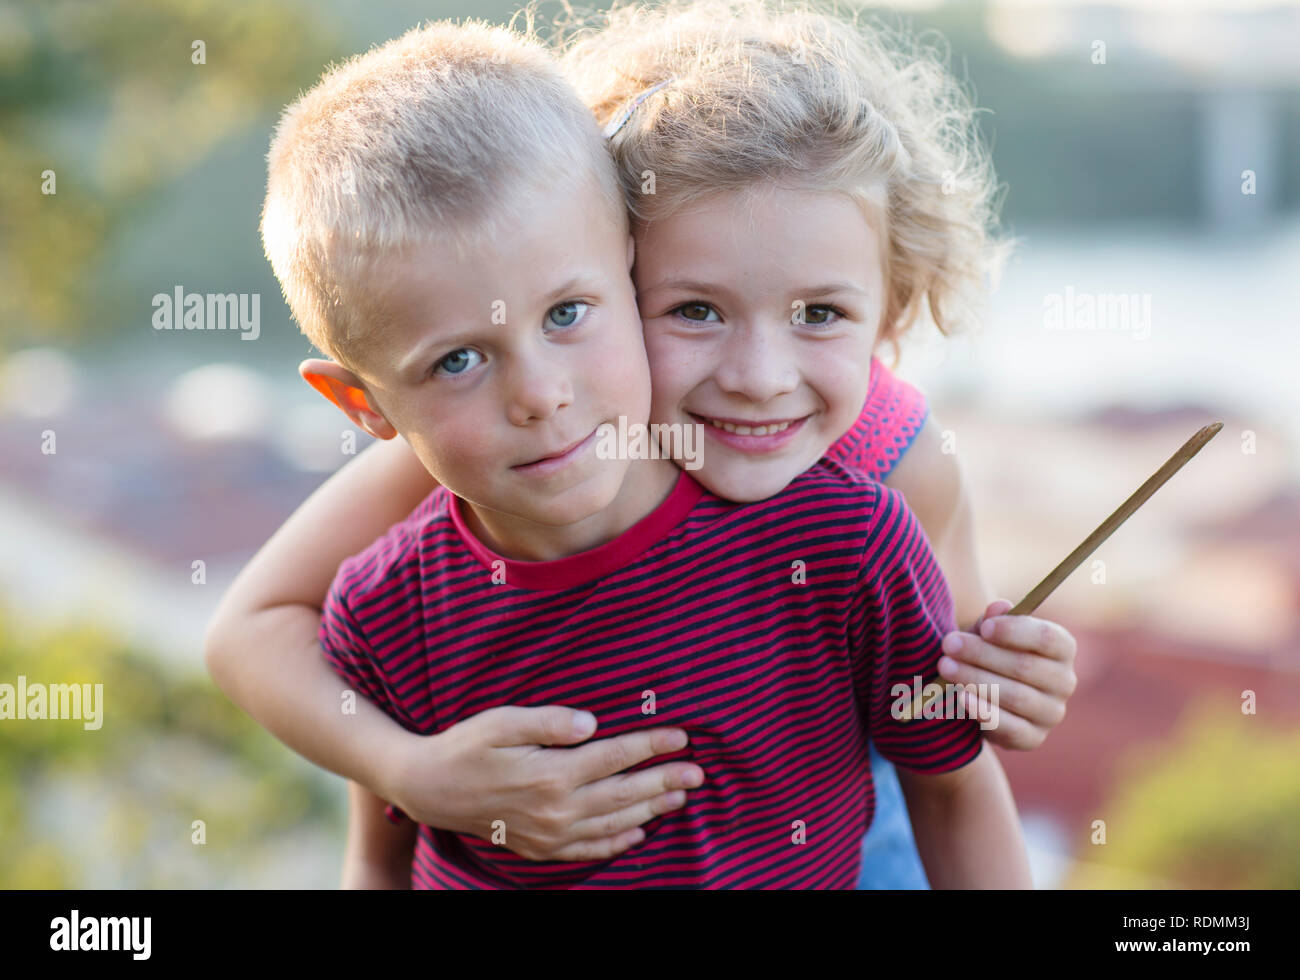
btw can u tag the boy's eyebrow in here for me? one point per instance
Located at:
(571, 287)
(424, 351)
(466, 335)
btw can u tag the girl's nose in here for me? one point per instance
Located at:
(757, 364)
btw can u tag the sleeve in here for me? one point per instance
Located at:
(901, 614)
(347, 649)
(892, 415)
(374, 592)
(344, 642)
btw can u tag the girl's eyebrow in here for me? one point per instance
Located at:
(832, 287)
(691, 285)
(696, 286)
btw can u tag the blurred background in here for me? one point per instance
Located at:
(1151, 152)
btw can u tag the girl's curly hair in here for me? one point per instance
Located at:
(808, 96)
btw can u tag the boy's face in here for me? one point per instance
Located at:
(723, 287)
(497, 364)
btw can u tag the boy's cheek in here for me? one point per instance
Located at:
(623, 373)
(456, 463)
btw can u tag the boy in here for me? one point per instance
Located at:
(446, 225)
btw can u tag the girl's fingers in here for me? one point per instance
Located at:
(613, 824)
(592, 762)
(1013, 731)
(1053, 677)
(614, 833)
(598, 850)
(625, 793)
(996, 608)
(1038, 636)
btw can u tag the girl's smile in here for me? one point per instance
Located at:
(759, 436)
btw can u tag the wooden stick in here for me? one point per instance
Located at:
(1090, 544)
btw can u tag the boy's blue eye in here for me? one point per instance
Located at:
(566, 314)
(458, 361)
(698, 312)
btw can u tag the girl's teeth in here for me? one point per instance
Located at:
(747, 430)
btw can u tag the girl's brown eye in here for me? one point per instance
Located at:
(819, 315)
(695, 311)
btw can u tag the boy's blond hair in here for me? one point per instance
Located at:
(811, 99)
(430, 135)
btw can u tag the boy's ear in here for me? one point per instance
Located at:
(345, 390)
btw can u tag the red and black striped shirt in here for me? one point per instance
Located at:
(773, 632)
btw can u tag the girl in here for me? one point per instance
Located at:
(802, 189)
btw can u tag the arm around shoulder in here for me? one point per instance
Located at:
(261, 646)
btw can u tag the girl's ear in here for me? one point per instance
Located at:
(345, 390)
(631, 252)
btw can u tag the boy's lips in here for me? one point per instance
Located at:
(751, 435)
(557, 460)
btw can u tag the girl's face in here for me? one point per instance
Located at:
(761, 310)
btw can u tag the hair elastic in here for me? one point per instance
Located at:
(616, 124)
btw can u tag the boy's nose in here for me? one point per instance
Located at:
(537, 391)
(757, 365)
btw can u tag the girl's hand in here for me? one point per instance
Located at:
(556, 804)
(1030, 660)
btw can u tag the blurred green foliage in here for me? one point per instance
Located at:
(107, 95)
(1214, 809)
(115, 807)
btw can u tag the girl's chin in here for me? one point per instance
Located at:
(746, 483)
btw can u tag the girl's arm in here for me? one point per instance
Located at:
(1032, 691)
(378, 854)
(261, 645)
(262, 650)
